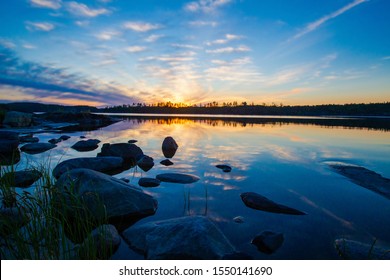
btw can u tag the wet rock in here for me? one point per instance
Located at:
(192, 237)
(268, 242)
(179, 178)
(132, 141)
(259, 202)
(104, 239)
(28, 139)
(37, 148)
(11, 219)
(145, 163)
(224, 167)
(169, 147)
(355, 250)
(17, 119)
(82, 137)
(104, 197)
(54, 141)
(148, 182)
(109, 165)
(238, 219)
(20, 179)
(364, 177)
(166, 162)
(64, 137)
(86, 145)
(129, 152)
(9, 142)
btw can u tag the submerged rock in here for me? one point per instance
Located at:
(149, 182)
(169, 147)
(86, 145)
(192, 237)
(224, 167)
(268, 242)
(129, 152)
(354, 250)
(179, 178)
(166, 162)
(37, 148)
(20, 179)
(109, 165)
(365, 178)
(259, 202)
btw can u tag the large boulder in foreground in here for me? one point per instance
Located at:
(169, 147)
(130, 153)
(17, 119)
(37, 148)
(355, 250)
(192, 237)
(109, 165)
(259, 202)
(20, 179)
(103, 197)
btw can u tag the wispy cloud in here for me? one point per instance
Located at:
(140, 26)
(39, 26)
(225, 40)
(29, 46)
(82, 10)
(135, 49)
(201, 23)
(107, 35)
(238, 49)
(386, 58)
(50, 4)
(316, 24)
(205, 6)
(186, 46)
(153, 38)
(7, 44)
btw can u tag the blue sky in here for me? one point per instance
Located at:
(110, 52)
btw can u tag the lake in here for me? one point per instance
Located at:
(283, 159)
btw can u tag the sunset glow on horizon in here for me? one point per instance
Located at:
(113, 52)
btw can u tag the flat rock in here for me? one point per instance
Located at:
(166, 162)
(103, 196)
(259, 202)
(129, 152)
(364, 177)
(109, 165)
(149, 182)
(192, 237)
(145, 163)
(36, 148)
(20, 179)
(86, 145)
(169, 147)
(179, 178)
(132, 141)
(268, 242)
(355, 250)
(224, 167)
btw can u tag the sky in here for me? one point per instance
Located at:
(113, 52)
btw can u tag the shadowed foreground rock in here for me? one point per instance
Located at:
(9, 152)
(364, 177)
(354, 250)
(109, 165)
(20, 179)
(259, 202)
(268, 242)
(192, 237)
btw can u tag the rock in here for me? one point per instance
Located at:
(148, 182)
(125, 179)
(28, 139)
(54, 141)
(109, 165)
(145, 163)
(64, 137)
(191, 237)
(104, 240)
(238, 219)
(354, 250)
(17, 119)
(86, 145)
(225, 168)
(11, 158)
(166, 162)
(364, 177)
(104, 197)
(82, 137)
(259, 202)
(11, 219)
(178, 178)
(130, 153)
(20, 179)
(169, 147)
(36, 148)
(132, 141)
(9, 142)
(268, 242)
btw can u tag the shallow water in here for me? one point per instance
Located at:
(284, 160)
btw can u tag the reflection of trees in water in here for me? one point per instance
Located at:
(347, 123)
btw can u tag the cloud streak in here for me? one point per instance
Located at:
(39, 26)
(140, 26)
(238, 49)
(82, 10)
(316, 24)
(49, 4)
(205, 6)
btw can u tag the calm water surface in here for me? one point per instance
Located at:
(282, 160)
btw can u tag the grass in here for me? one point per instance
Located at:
(51, 224)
